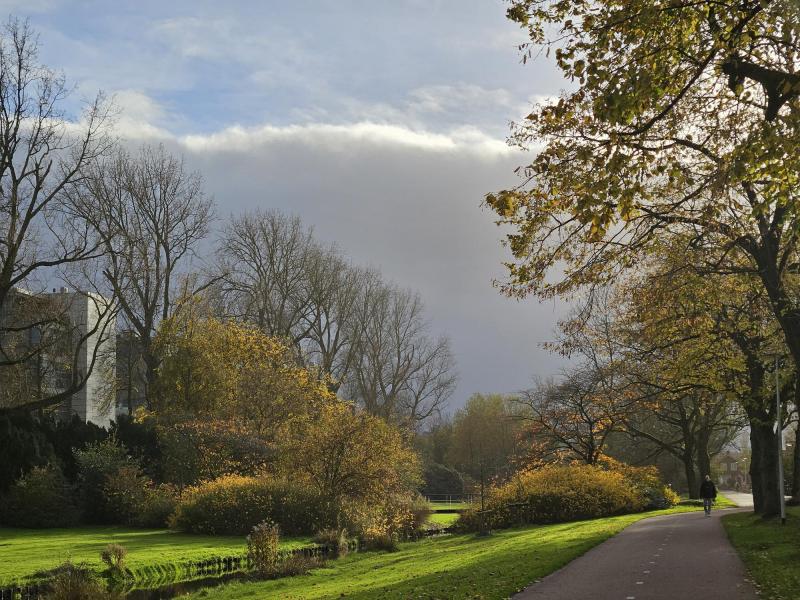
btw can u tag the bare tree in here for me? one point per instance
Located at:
(277, 277)
(152, 214)
(573, 415)
(43, 157)
(400, 374)
(368, 337)
(339, 296)
(264, 258)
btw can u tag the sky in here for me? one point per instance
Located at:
(381, 124)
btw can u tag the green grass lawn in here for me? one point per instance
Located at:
(770, 550)
(23, 552)
(457, 566)
(443, 519)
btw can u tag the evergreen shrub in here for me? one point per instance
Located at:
(96, 463)
(41, 498)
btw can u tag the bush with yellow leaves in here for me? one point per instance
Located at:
(559, 493)
(234, 504)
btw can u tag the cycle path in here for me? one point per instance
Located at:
(668, 557)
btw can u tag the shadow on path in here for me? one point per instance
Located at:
(662, 558)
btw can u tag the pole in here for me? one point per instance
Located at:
(780, 443)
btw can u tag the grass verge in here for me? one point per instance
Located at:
(457, 566)
(151, 552)
(770, 551)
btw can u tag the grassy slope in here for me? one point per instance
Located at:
(459, 566)
(770, 551)
(23, 552)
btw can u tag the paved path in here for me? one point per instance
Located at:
(741, 499)
(662, 558)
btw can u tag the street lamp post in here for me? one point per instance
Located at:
(779, 430)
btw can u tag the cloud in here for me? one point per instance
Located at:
(381, 129)
(407, 202)
(459, 97)
(139, 116)
(27, 6)
(333, 137)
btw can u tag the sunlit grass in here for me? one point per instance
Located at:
(770, 551)
(458, 566)
(23, 552)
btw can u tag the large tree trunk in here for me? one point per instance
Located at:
(703, 458)
(691, 475)
(764, 467)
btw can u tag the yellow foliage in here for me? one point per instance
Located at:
(557, 493)
(234, 504)
(233, 371)
(346, 453)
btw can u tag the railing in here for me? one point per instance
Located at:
(33, 591)
(452, 498)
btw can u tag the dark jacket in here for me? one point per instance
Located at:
(708, 489)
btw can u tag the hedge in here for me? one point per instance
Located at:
(234, 504)
(560, 493)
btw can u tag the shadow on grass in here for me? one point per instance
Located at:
(459, 567)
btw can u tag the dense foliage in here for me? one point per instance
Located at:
(41, 498)
(194, 450)
(232, 371)
(234, 504)
(558, 493)
(681, 122)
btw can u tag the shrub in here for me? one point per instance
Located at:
(23, 445)
(233, 504)
(202, 450)
(350, 455)
(646, 481)
(377, 539)
(557, 494)
(42, 498)
(114, 555)
(77, 582)
(262, 548)
(68, 435)
(27, 441)
(96, 464)
(159, 504)
(335, 539)
(133, 499)
(124, 492)
(139, 434)
(298, 564)
(420, 512)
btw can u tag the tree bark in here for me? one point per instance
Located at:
(691, 474)
(764, 467)
(703, 457)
